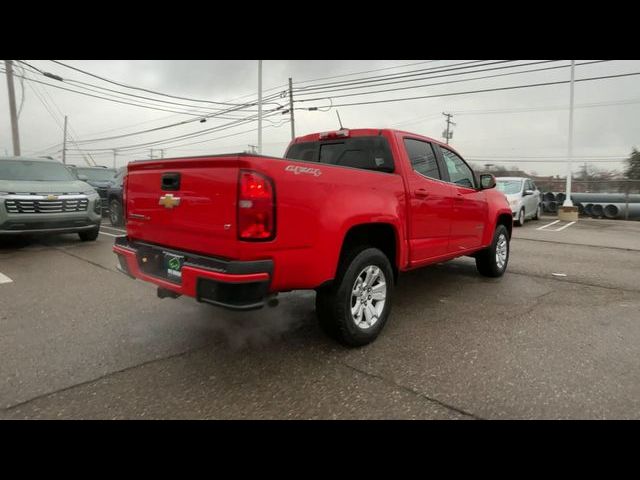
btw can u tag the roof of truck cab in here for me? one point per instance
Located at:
(364, 132)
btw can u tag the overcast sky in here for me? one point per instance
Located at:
(484, 131)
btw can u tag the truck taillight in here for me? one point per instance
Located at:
(256, 206)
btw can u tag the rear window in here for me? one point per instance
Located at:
(367, 153)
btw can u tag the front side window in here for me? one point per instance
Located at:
(422, 158)
(459, 172)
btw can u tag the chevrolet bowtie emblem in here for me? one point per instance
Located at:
(169, 201)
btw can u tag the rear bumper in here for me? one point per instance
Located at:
(230, 284)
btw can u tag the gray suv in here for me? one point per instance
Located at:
(39, 195)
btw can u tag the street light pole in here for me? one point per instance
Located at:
(567, 201)
(12, 108)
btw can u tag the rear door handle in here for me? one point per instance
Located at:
(421, 192)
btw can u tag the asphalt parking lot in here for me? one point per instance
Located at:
(80, 340)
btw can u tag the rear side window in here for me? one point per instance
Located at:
(367, 153)
(422, 157)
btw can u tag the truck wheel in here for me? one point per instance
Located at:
(520, 220)
(89, 235)
(115, 213)
(492, 262)
(355, 308)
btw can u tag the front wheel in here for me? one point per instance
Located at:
(492, 262)
(520, 219)
(356, 307)
(115, 213)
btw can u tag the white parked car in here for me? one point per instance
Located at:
(524, 198)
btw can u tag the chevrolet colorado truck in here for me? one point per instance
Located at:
(343, 213)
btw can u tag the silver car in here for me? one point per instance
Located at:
(41, 196)
(524, 198)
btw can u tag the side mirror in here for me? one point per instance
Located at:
(487, 180)
(83, 178)
(527, 192)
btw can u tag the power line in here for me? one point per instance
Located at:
(366, 71)
(515, 87)
(453, 81)
(413, 73)
(143, 89)
(188, 135)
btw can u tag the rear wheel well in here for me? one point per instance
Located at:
(378, 235)
(506, 220)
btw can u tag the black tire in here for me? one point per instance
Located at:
(486, 260)
(519, 221)
(89, 235)
(333, 303)
(538, 212)
(115, 212)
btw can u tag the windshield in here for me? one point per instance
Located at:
(33, 171)
(509, 187)
(99, 174)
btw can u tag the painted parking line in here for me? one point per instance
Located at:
(563, 227)
(4, 278)
(112, 235)
(547, 225)
(113, 228)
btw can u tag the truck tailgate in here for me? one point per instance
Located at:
(188, 204)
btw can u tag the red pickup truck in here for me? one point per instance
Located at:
(342, 213)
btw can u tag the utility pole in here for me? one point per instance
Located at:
(12, 108)
(151, 153)
(64, 142)
(293, 122)
(114, 158)
(567, 201)
(260, 106)
(447, 134)
(162, 153)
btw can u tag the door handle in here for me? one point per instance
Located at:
(459, 197)
(421, 192)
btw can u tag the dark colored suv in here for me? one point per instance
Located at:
(98, 177)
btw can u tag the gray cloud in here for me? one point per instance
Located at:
(602, 131)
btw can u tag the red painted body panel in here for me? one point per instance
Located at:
(316, 205)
